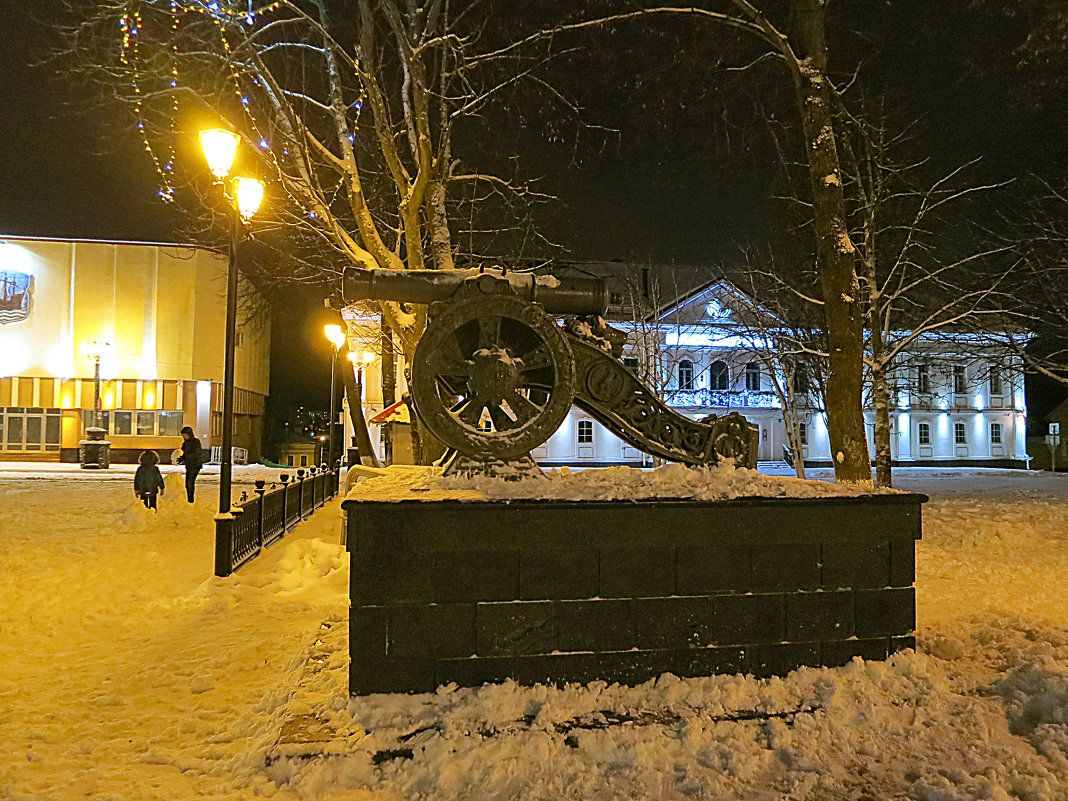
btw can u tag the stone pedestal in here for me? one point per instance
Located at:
(94, 452)
(558, 591)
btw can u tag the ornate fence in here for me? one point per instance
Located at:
(260, 521)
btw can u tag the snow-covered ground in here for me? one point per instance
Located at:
(127, 673)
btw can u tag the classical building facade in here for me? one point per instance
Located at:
(152, 316)
(713, 352)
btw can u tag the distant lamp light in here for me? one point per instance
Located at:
(220, 147)
(335, 335)
(109, 399)
(368, 357)
(249, 193)
(149, 399)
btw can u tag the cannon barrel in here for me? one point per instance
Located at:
(580, 296)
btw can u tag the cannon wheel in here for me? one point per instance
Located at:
(493, 376)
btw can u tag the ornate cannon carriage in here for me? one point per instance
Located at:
(495, 373)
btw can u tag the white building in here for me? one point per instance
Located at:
(709, 353)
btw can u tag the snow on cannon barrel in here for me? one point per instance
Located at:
(495, 374)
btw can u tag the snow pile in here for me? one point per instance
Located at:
(876, 730)
(721, 482)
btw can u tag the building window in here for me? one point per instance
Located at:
(719, 376)
(960, 433)
(924, 433)
(585, 432)
(146, 424)
(686, 374)
(803, 429)
(631, 363)
(960, 379)
(29, 429)
(996, 387)
(123, 423)
(800, 380)
(995, 433)
(304, 460)
(170, 423)
(615, 298)
(923, 379)
(89, 419)
(752, 377)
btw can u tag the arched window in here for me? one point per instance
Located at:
(686, 374)
(752, 377)
(719, 376)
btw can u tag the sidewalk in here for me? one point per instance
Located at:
(242, 474)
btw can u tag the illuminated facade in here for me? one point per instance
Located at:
(707, 354)
(153, 316)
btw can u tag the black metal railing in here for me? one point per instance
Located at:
(262, 520)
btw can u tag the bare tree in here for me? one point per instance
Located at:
(1036, 325)
(925, 271)
(353, 112)
(793, 34)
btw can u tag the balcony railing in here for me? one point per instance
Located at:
(717, 398)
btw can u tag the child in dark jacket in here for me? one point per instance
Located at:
(147, 480)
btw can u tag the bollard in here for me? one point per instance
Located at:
(284, 478)
(300, 493)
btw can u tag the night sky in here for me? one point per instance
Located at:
(678, 183)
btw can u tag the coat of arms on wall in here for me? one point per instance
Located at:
(16, 296)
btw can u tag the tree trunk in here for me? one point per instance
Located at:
(835, 253)
(883, 453)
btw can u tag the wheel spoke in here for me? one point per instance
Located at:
(537, 359)
(489, 331)
(472, 412)
(501, 421)
(522, 408)
(445, 364)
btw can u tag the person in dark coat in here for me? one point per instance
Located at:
(192, 457)
(148, 482)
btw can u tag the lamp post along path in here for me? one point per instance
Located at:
(245, 194)
(336, 336)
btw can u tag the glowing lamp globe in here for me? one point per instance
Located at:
(335, 335)
(249, 192)
(220, 147)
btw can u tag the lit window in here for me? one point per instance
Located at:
(752, 377)
(923, 379)
(924, 431)
(960, 433)
(719, 376)
(146, 424)
(960, 379)
(996, 387)
(170, 423)
(686, 374)
(123, 422)
(995, 433)
(585, 432)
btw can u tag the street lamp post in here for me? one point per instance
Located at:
(220, 147)
(95, 351)
(337, 339)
